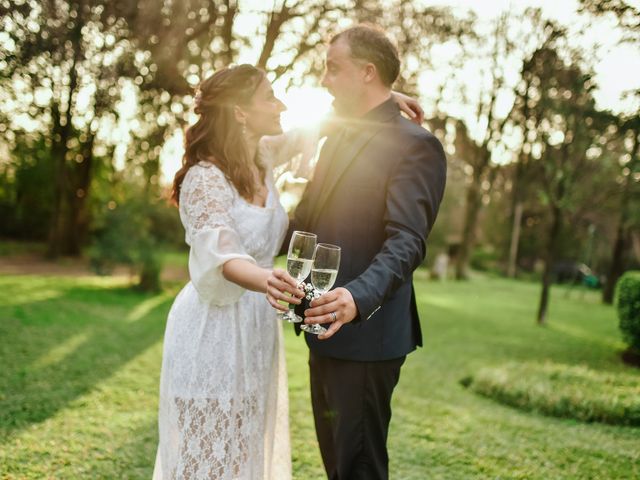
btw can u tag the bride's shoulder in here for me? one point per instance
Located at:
(205, 182)
(205, 172)
(205, 168)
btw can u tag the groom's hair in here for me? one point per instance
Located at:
(370, 44)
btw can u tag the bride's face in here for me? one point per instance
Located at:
(263, 113)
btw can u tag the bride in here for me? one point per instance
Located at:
(223, 388)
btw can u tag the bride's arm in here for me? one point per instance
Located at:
(410, 106)
(252, 277)
(220, 268)
(277, 150)
(246, 274)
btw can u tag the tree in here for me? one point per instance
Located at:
(565, 134)
(76, 57)
(628, 135)
(485, 69)
(627, 18)
(81, 59)
(523, 181)
(479, 137)
(60, 65)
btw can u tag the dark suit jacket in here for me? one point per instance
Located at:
(378, 201)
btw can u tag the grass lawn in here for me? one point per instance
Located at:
(81, 357)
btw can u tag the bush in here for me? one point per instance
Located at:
(485, 259)
(125, 236)
(628, 306)
(26, 191)
(562, 391)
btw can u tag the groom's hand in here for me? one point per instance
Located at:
(338, 301)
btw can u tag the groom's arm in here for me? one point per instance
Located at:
(414, 194)
(413, 198)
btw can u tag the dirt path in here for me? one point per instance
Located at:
(33, 264)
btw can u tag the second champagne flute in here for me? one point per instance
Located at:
(326, 261)
(299, 260)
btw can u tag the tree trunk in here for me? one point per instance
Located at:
(228, 52)
(60, 181)
(150, 275)
(549, 258)
(515, 240)
(617, 264)
(78, 221)
(62, 130)
(474, 202)
(617, 259)
(273, 31)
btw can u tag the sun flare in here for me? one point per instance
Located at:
(306, 106)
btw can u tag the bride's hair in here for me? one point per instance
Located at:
(217, 136)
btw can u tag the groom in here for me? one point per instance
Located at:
(375, 193)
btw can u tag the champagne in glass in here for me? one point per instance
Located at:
(299, 260)
(323, 278)
(299, 268)
(326, 261)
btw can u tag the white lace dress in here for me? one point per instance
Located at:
(223, 389)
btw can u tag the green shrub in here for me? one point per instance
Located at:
(485, 259)
(125, 236)
(628, 306)
(562, 391)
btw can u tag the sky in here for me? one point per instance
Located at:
(617, 66)
(617, 71)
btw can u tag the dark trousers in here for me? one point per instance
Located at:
(352, 409)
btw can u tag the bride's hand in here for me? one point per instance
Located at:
(410, 106)
(282, 286)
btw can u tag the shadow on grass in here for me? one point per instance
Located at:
(56, 350)
(134, 456)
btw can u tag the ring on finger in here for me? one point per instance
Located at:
(334, 317)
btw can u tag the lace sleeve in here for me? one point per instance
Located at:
(294, 151)
(206, 199)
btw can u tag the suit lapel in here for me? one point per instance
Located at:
(305, 208)
(345, 153)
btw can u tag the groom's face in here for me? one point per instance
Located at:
(343, 77)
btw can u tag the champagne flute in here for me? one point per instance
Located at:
(299, 260)
(326, 261)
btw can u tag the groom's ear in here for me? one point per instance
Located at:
(370, 73)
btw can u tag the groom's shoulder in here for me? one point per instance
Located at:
(415, 136)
